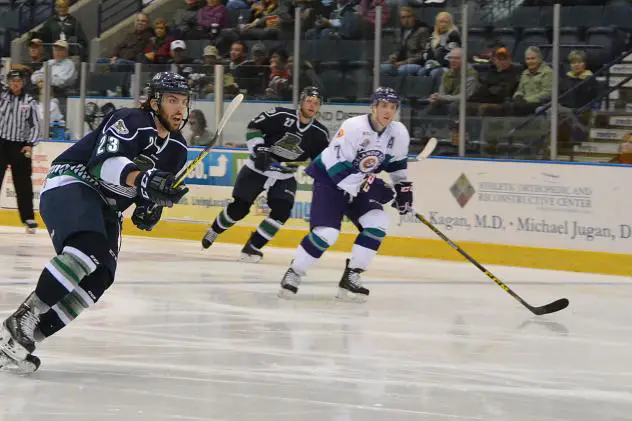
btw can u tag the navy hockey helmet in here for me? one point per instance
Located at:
(385, 94)
(167, 82)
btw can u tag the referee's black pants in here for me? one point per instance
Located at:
(21, 170)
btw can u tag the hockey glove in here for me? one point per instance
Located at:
(146, 216)
(376, 189)
(404, 197)
(157, 187)
(262, 158)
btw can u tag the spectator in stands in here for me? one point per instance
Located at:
(258, 71)
(184, 64)
(368, 12)
(212, 18)
(200, 135)
(445, 37)
(446, 101)
(625, 152)
(280, 83)
(185, 20)
(414, 36)
(64, 26)
(271, 18)
(239, 65)
(341, 23)
(536, 84)
(312, 10)
(578, 96)
(158, 49)
(124, 54)
(497, 85)
(36, 54)
(204, 81)
(63, 71)
(577, 89)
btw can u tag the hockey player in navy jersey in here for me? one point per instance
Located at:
(131, 158)
(345, 185)
(274, 137)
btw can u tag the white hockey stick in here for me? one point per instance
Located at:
(428, 149)
(220, 127)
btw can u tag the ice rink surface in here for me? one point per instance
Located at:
(187, 334)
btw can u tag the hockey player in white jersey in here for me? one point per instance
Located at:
(345, 185)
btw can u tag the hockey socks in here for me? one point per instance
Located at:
(264, 233)
(61, 278)
(365, 247)
(223, 222)
(309, 251)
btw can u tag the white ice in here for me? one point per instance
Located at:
(188, 334)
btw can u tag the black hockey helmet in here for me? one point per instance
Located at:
(166, 82)
(311, 91)
(16, 74)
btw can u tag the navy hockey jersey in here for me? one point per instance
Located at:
(280, 129)
(104, 157)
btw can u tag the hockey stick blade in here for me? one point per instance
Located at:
(220, 127)
(558, 305)
(428, 149)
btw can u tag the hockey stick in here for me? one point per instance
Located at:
(220, 127)
(557, 305)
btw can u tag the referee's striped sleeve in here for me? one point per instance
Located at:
(34, 133)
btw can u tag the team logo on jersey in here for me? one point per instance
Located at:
(368, 161)
(288, 147)
(120, 128)
(340, 133)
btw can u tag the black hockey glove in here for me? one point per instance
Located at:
(157, 187)
(262, 157)
(404, 199)
(376, 189)
(146, 216)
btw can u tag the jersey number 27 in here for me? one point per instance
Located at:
(107, 143)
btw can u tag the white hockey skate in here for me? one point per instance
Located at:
(289, 284)
(250, 254)
(350, 287)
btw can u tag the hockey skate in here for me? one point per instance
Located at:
(350, 286)
(31, 226)
(17, 340)
(289, 284)
(209, 238)
(250, 253)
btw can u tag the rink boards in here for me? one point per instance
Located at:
(556, 216)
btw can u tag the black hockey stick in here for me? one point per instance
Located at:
(557, 305)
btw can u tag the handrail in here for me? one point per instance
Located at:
(133, 6)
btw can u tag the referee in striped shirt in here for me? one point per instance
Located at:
(19, 131)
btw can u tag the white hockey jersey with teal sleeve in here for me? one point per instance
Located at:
(357, 150)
